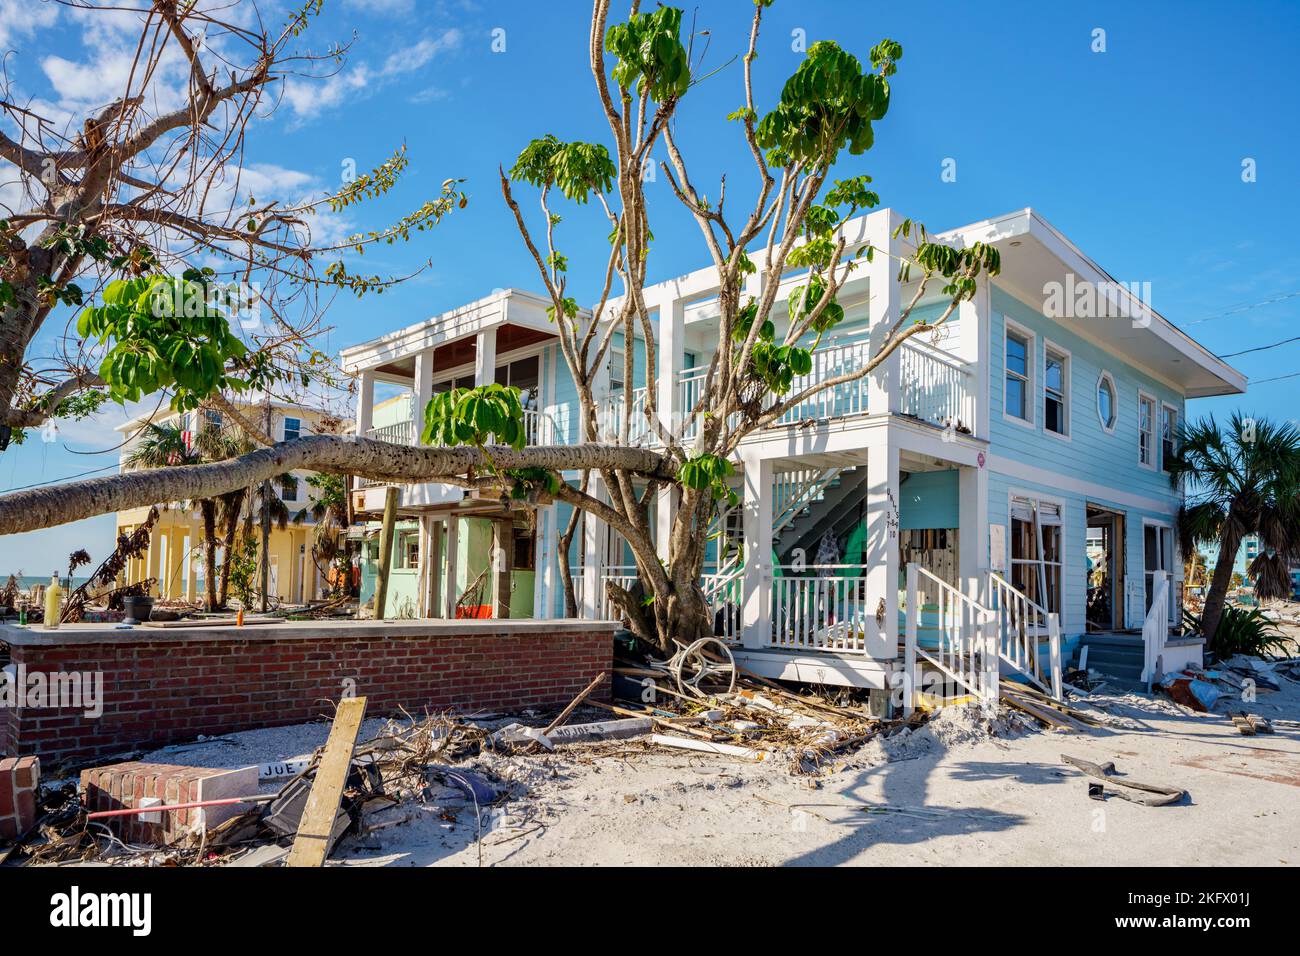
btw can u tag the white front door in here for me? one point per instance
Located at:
(1158, 555)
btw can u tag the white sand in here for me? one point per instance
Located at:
(952, 794)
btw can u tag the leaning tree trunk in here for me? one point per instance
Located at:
(208, 508)
(232, 503)
(1217, 595)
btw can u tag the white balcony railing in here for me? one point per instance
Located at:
(838, 401)
(936, 387)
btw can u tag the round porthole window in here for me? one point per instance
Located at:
(1107, 401)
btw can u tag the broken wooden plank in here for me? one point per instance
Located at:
(573, 704)
(1043, 715)
(314, 839)
(705, 746)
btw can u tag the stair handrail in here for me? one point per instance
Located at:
(806, 495)
(1155, 628)
(1011, 605)
(967, 652)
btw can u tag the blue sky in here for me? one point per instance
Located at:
(1135, 153)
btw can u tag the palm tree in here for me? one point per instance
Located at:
(1241, 481)
(169, 446)
(329, 510)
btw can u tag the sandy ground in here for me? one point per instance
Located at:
(948, 794)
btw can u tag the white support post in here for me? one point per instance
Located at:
(881, 556)
(485, 357)
(884, 394)
(593, 550)
(909, 642)
(450, 590)
(672, 356)
(756, 602)
(973, 533)
(421, 392)
(973, 320)
(365, 402)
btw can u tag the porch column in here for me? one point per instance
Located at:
(756, 601)
(886, 300)
(426, 588)
(452, 540)
(485, 357)
(973, 317)
(155, 557)
(365, 402)
(672, 412)
(175, 562)
(593, 563)
(421, 391)
(503, 539)
(973, 535)
(881, 556)
(191, 578)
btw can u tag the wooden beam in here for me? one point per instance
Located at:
(385, 549)
(315, 832)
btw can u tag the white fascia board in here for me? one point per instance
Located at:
(489, 312)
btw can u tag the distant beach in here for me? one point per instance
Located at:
(27, 580)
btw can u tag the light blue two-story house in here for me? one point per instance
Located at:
(989, 495)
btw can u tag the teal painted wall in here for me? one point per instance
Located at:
(929, 499)
(1108, 461)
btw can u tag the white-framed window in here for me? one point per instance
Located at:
(1017, 382)
(292, 428)
(289, 487)
(1036, 550)
(1168, 434)
(1107, 402)
(1146, 431)
(1056, 390)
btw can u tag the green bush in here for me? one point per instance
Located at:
(1242, 631)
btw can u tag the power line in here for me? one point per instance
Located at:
(1245, 308)
(1261, 348)
(55, 481)
(1275, 378)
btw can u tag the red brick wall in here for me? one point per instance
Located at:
(19, 778)
(157, 693)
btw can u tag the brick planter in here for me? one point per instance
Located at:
(164, 685)
(19, 778)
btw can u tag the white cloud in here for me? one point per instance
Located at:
(309, 98)
(20, 19)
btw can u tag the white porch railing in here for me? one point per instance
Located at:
(820, 608)
(609, 420)
(958, 640)
(849, 398)
(1021, 624)
(936, 386)
(690, 388)
(1155, 628)
(723, 591)
(624, 575)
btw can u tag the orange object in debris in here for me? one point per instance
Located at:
(239, 618)
(474, 611)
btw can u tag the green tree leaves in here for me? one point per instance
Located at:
(650, 54)
(709, 472)
(165, 332)
(828, 104)
(577, 169)
(488, 414)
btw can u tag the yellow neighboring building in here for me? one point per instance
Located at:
(178, 534)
